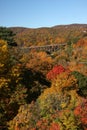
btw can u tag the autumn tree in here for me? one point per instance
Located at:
(82, 83)
(12, 92)
(7, 35)
(40, 61)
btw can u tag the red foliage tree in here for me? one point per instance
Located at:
(52, 74)
(55, 126)
(81, 111)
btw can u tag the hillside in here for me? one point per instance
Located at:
(52, 35)
(41, 90)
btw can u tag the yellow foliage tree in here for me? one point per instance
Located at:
(39, 61)
(4, 56)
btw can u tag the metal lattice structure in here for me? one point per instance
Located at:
(47, 48)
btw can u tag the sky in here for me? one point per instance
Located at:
(42, 13)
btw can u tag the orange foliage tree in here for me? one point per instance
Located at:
(39, 61)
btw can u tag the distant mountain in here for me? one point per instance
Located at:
(18, 29)
(53, 35)
(72, 25)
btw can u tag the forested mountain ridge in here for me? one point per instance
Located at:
(41, 90)
(53, 35)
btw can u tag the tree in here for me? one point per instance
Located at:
(12, 92)
(39, 62)
(4, 58)
(7, 35)
(82, 83)
(56, 70)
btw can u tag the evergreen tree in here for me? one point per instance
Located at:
(7, 35)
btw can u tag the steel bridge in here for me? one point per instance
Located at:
(47, 48)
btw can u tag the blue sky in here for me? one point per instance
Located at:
(42, 13)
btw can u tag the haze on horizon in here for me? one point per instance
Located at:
(46, 13)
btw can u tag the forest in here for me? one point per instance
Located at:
(41, 90)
